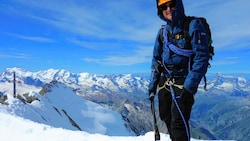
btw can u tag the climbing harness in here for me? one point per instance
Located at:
(167, 83)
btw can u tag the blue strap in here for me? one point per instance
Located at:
(184, 52)
(175, 49)
(179, 109)
(179, 51)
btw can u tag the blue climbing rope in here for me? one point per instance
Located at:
(179, 109)
(175, 49)
(183, 52)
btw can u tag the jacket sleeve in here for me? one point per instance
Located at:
(156, 66)
(199, 42)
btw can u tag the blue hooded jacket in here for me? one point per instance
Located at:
(199, 46)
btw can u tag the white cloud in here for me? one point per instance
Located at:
(32, 38)
(18, 55)
(139, 55)
(113, 19)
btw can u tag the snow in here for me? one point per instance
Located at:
(38, 120)
(14, 128)
(226, 85)
(59, 104)
(84, 82)
(8, 87)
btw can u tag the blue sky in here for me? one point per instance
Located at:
(111, 36)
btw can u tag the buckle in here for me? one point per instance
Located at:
(171, 67)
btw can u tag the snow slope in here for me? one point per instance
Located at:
(14, 128)
(60, 106)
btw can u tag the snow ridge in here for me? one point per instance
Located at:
(60, 107)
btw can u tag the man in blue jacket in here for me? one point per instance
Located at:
(178, 65)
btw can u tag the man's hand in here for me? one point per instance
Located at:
(186, 96)
(151, 96)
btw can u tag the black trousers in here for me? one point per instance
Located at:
(170, 113)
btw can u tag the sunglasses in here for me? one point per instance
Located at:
(170, 5)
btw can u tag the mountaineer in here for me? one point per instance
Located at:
(179, 63)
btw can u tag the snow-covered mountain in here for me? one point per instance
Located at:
(86, 84)
(127, 95)
(229, 85)
(114, 91)
(83, 83)
(60, 107)
(57, 113)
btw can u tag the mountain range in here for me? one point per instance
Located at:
(221, 112)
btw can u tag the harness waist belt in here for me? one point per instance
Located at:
(177, 67)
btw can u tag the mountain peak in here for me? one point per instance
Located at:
(48, 87)
(15, 69)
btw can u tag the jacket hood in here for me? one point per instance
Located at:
(178, 14)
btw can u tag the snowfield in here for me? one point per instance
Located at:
(14, 128)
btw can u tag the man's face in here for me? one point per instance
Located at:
(167, 10)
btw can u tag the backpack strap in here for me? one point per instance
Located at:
(161, 33)
(186, 24)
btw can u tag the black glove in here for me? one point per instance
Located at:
(186, 96)
(151, 96)
(158, 67)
